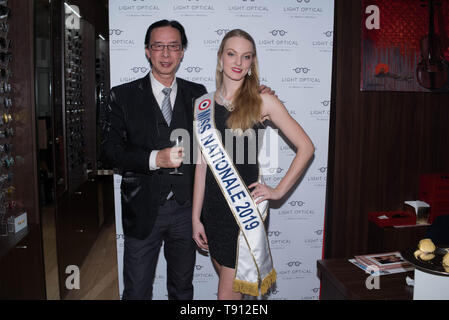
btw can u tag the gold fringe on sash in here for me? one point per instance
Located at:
(246, 287)
(252, 288)
(269, 280)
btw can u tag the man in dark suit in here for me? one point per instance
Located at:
(156, 206)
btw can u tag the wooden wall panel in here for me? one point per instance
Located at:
(380, 142)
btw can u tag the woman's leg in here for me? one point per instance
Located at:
(226, 278)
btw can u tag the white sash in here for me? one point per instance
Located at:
(254, 266)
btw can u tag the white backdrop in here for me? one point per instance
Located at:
(294, 41)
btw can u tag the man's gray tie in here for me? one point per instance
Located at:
(166, 105)
(167, 112)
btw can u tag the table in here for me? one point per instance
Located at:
(341, 280)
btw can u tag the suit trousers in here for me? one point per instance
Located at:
(173, 226)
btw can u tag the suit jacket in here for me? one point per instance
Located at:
(130, 132)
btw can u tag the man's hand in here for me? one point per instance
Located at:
(170, 157)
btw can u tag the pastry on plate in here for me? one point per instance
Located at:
(426, 245)
(425, 250)
(446, 260)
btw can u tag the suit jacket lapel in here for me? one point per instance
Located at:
(149, 102)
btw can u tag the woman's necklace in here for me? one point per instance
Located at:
(226, 103)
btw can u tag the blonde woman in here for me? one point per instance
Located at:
(216, 218)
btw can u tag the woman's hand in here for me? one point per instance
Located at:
(263, 192)
(199, 235)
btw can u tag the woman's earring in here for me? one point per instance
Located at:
(220, 68)
(249, 73)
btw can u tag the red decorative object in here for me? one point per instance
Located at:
(392, 218)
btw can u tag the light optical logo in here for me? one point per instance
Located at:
(194, 8)
(213, 41)
(119, 41)
(325, 43)
(278, 240)
(278, 39)
(196, 73)
(301, 77)
(134, 72)
(315, 241)
(294, 269)
(318, 177)
(321, 112)
(273, 175)
(248, 9)
(303, 9)
(135, 8)
(295, 209)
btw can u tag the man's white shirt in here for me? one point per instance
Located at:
(157, 88)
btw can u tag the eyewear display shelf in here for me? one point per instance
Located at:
(20, 251)
(79, 214)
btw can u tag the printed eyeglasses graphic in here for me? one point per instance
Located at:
(141, 69)
(275, 170)
(115, 31)
(191, 69)
(295, 203)
(299, 70)
(293, 263)
(221, 31)
(161, 47)
(275, 32)
(305, 1)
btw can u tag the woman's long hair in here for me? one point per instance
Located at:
(247, 101)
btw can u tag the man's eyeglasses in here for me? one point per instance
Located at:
(161, 47)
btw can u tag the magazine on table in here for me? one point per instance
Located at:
(382, 263)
